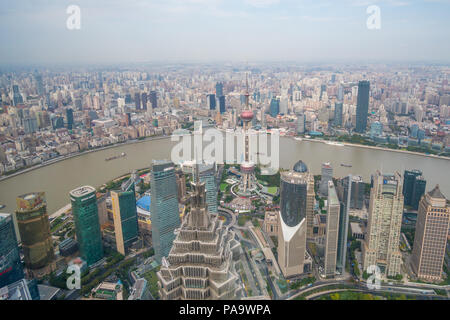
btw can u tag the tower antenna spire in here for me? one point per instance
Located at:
(247, 94)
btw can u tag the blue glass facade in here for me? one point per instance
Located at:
(164, 207)
(207, 175)
(362, 108)
(11, 269)
(274, 107)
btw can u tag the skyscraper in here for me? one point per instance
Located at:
(87, 225)
(164, 207)
(274, 107)
(356, 190)
(211, 101)
(222, 106)
(296, 209)
(219, 89)
(39, 84)
(30, 124)
(362, 107)
(327, 175)
(17, 97)
(418, 191)
(338, 107)
(154, 99)
(144, 100)
(208, 177)
(125, 215)
(381, 246)
(11, 269)
(340, 95)
(301, 119)
(34, 228)
(137, 100)
(413, 191)
(69, 116)
(200, 265)
(344, 190)
(430, 240)
(332, 231)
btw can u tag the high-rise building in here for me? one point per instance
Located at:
(11, 269)
(327, 175)
(376, 129)
(17, 97)
(301, 119)
(18, 290)
(144, 100)
(338, 109)
(128, 98)
(332, 231)
(208, 176)
(430, 240)
(137, 100)
(340, 95)
(30, 125)
(219, 89)
(154, 99)
(418, 191)
(164, 207)
(296, 209)
(344, 191)
(69, 116)
(200, 265)
(87, 225)
(222, 106)
(125, 215)
(34, 228)
(274, 107)
(39, 84)
(362, 107)
(381, 246)
(211, 101)
(356, 190)
(413, 191)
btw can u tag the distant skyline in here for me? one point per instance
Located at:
(34, 32)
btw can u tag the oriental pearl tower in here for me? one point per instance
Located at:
(247, 166)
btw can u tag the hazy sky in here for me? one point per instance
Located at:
(35, 32)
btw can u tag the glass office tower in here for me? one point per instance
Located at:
(125, 215)
(11, 269)
(164, 207)
(208, 176)
(87, 225)
(362, 107)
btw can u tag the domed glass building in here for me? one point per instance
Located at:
(300, 167)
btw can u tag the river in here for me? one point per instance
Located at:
(57, 179)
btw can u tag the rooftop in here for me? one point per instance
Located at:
(436, 193)
(300, 166)
(82, 191)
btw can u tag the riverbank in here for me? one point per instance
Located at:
(377, 148)
(58, 159)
